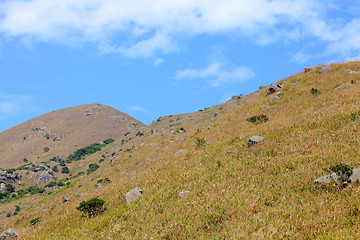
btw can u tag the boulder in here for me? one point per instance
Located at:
(308, 69)
(184, 194)
(324, 69)
(43, 177)
(66, 199)
(235, 97)
(274, 88)
(132, 195)
(355, 176)
(264, 106)
(98, 185)
(328, 179)
(9, 234)
(352, 72)
(180, 152)
(343, 85)
(254, 139)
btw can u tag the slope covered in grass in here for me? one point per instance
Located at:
(239, 192)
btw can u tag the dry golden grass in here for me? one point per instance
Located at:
(238, 192)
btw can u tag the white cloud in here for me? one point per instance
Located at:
(12, 103)
(158, 61)
(143, 28)
(215, 74)
(137, 109)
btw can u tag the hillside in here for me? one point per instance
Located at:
(230, 190)
(63, 131)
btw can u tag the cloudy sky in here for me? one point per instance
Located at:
(160, 57)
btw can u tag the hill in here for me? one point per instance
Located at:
(201, 179)
(61, 132)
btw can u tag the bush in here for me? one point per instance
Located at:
(92, 168)
(65, 170)
(55, 168)
(92, 207)
(78, 154)
(200, 142)
(35, 221)
(314, 91)
(25, 160)
(109, 140)
(258, 119)
(343, 170)
(46, 149)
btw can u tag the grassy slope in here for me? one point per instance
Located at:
(265, 191)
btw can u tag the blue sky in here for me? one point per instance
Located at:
(160, 57)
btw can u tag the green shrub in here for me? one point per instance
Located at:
(55, 168)
(46, 149)
(92, 207)
(314, 91)
(354, 116)
(25, 160)
(343, 170)
(65, 170)
(92, 168)
(261, 86)
(258, 119)
(35, 221)
(81, 152)
(200, 142)
(109, 140)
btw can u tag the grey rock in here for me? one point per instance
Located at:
(66, 199)
(328, 179)
(97, 186)
(9, 234)
(235, 97)
(132, 195)
(48, 189)
(324, 69)
(254, 139)
(275, 97)
(355, 176)
(43, 177)
(308, 69)
(274, 88)
(2, 187)
(264, 106)
(184, 194)
(343, 85)
(352, 72)
(180, 152)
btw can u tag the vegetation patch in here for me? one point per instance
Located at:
(92, 168)
(35, 221)
(92, 207)
(315, 91)
(257, 119)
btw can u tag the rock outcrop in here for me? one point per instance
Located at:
(9, 234)
(254, 140)
(132, 195)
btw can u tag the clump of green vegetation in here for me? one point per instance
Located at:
(343, 170)
(354, 116)
(108, 141)
(35, 221)
(46, 149)
(258, 119)
(315, 91)
(200, 142)
(105, 180)
(140, 133)
(92, 207)
(261, 86)
(65, 170)
(78, 154)
(25, 160)
(92, 168)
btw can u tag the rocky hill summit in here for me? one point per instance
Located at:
(62, 131)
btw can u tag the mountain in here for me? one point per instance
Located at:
(63, 131)
(197, 175)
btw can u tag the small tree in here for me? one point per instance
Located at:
(55, 168)
(65, 170)
(92, 207)
(46, 149)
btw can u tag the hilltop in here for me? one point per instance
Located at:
(62, 132)
(201, 179)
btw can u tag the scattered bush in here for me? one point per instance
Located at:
(258, 119)
(65, 170)
(109, 140)
(46, 149)
(78, 154)
(314, 91)
(200, 142)
(25, 160)
(261, 86)
(343, 170)
(92, 207)
(354, 116)
(35, 221)
(55, 168)
(92, 168)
